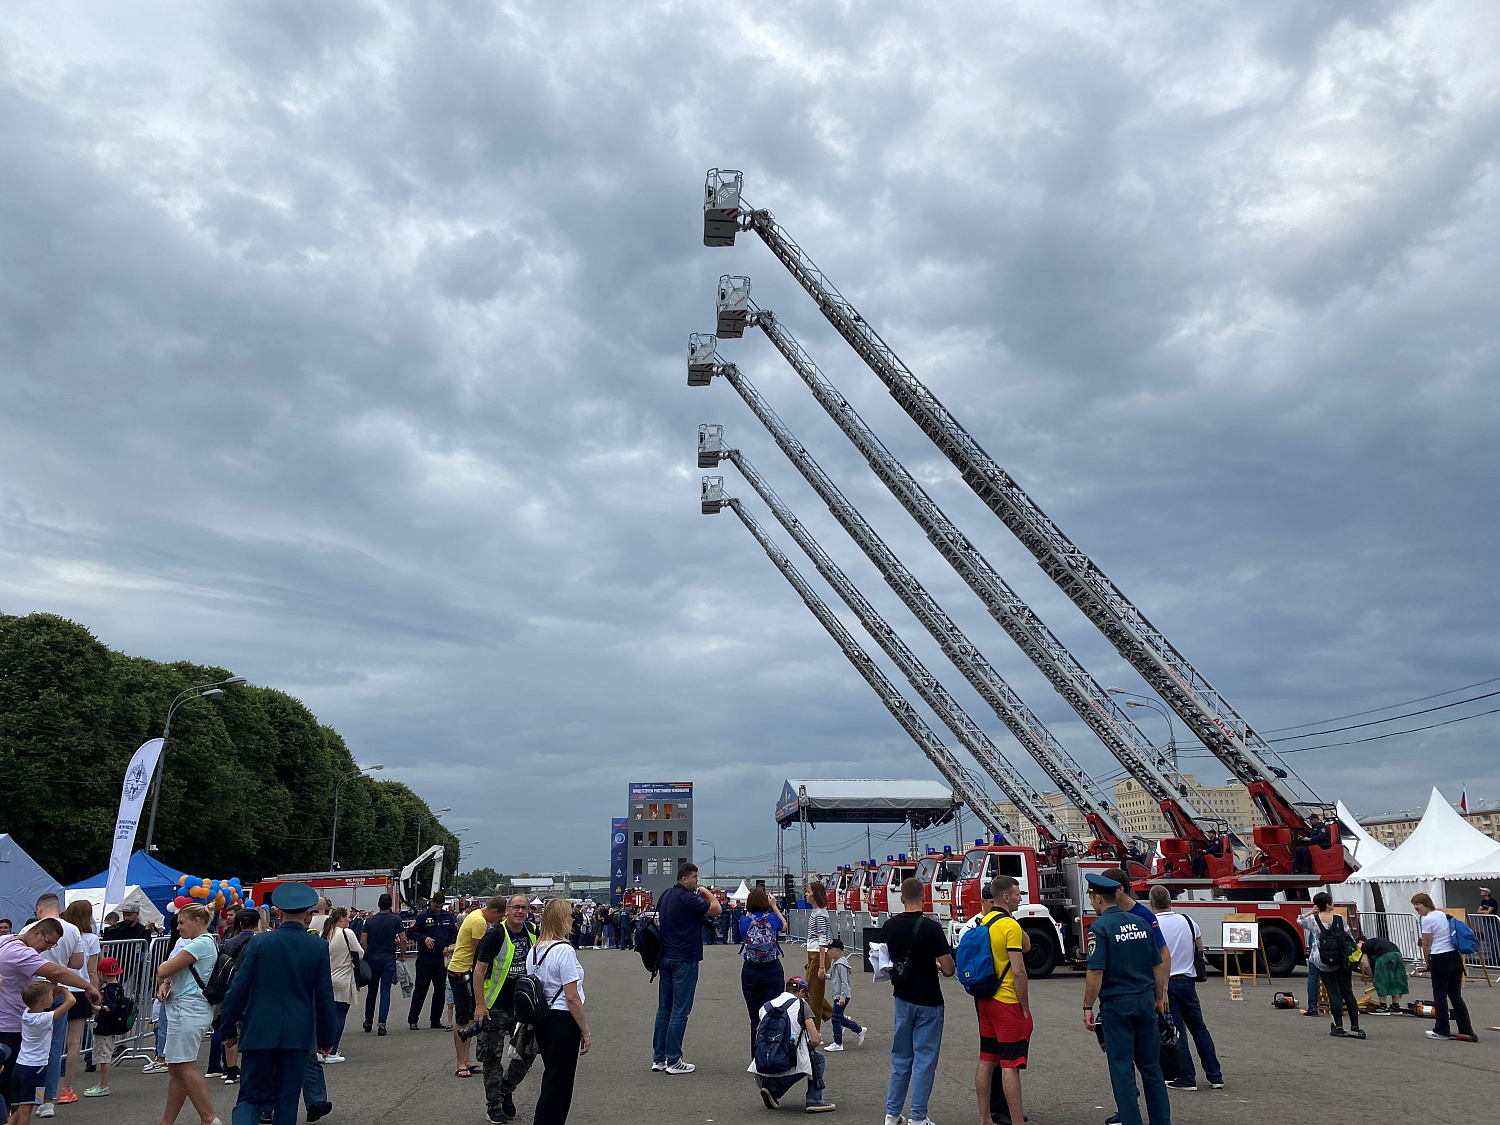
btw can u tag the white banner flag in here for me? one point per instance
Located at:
(132, 800)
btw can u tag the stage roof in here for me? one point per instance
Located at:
(865, 801)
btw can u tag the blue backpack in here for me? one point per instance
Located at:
(1463, 937)
(975, 961)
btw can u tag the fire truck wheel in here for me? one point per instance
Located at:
(1281, 950)
(1043, 957)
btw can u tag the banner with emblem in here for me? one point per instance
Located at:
(617, 827)
(132, 799)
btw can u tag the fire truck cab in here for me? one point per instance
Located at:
(858, 897)
(938, 872)
(1041, 900)
(885, 892)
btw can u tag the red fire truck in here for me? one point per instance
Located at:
(938, 871)
(885, 888)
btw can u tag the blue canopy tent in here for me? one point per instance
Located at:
(156, 880)
(22, 882)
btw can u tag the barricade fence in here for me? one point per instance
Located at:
(139, 959)
(1405, 932)
(843, 924)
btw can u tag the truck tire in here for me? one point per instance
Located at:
(1043, 956)
(1282, 950)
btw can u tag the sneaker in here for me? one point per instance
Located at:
(1437, 1035)
(66, 1097)
(1219, 1085)
(769, 1098)
(862, 1033)
(833, 1047)
(495, 1116)
(679, 1067)
(921, 1121)
(509, 1108)
(1382, 1010)
(1181, 1084)
(1337, 1030)
(1462, 1038)
(894, 1119)
(45, 1110)
(821, 1107)
(231, 1075)
(214, 1074)
(658, 1065)
(369, 1027)
(380, 1030)
(414, 1027)
(334, 1058)
(96, 1092)
(318, 1110)
(154, 1067)
(1310, 1012)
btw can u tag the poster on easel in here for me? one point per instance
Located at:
(1242, 937)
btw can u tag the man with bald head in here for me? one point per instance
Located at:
(499, 959)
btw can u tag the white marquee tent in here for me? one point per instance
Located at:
(1443, 846)
(741, 893)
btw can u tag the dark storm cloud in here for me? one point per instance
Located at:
(342, 346)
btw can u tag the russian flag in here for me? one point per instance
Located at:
(1463, 802)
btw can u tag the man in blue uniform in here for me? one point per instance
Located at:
(434, 933)
(1122, 970)
(279, 1009)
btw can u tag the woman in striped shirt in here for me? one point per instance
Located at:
(819, 934)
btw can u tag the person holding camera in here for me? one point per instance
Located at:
(499, 959)
(461, 977)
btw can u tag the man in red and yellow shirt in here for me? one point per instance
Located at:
(1005, 1017)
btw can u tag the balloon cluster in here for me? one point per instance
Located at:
(214, 893)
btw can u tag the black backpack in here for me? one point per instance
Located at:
(776, 1039)
(530, 1003)
(1334, 943)
(648, 945)
(116, 1015)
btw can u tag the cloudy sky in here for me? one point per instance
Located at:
(342, 345)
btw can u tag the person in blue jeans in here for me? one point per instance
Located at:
(1184, 939)
(383, 939)
(681, 910)
(918, 945)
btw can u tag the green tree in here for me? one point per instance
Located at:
(247, 784)
(479, 881)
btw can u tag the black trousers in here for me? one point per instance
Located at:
(760, 982)
(1340, 996)
(1448, 989)
(558, 1038)
(430, 973)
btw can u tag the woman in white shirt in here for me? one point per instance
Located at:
(563, 1035)
(81, 914)
(342, 946)
(180, 980)
(1445, 965)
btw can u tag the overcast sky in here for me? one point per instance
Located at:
(342, 345)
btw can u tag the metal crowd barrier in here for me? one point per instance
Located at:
(1405, 932)
(139, 960)
(843, 924)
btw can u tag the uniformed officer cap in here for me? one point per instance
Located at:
(295, 897)
(1101, 883)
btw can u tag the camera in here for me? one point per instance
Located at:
(469, 1030)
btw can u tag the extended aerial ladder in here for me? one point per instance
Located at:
(970, 735)
(965, 786)
(1205, 711)
(1190, 843)
(1070, 778)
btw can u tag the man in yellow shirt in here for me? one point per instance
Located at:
(1005, 1017)
(461, 975)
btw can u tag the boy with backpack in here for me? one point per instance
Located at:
(840, 992)
(991, 962)
(784, 1049)
(115, 1017)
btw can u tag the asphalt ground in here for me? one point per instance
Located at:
(1278, 1065)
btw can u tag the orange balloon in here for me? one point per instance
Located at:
(199, 892)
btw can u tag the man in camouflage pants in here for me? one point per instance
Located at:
(505, 1049)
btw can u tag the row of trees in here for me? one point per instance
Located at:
(249, 780)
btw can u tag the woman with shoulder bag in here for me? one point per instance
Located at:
(761, 976)
(179, 987)
(1328, 948)
(562, 1035)
(342, 951)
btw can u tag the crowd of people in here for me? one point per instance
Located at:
(271, 989)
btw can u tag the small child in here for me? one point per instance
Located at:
(841, 993)
(37, 1020)
(116, 1016)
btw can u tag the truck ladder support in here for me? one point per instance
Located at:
(1205, 711)
(965, 788)
(973, 738)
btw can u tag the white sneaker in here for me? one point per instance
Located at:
(833, 1047)
(45, 1110)
(333, 1058)
(680, 1067)
(922, 1121)
(862, 1033)
(658, 1066)
(894, 1119)
(154, 1067)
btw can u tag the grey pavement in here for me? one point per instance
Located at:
(1279, 1065)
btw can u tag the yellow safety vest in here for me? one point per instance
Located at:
(496, 979)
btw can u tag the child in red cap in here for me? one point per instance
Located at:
(115, 1017)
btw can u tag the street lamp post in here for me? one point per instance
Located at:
(1145, 701)
(334, 843)
(715, 850)
(214, 690)
(435, 815)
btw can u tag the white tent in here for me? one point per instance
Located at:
(1361, 845)
(741, 893)
(1439, 848)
